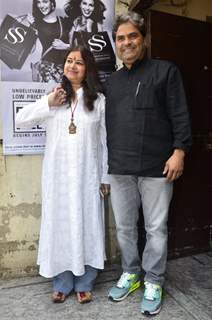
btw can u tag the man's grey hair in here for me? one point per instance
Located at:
(136, 19)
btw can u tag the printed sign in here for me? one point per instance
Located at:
(31, 56)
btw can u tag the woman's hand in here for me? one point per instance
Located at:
(100, 27)
(57, 97)
(30, 18)
(89, 25)
(104, 189)
(60, 45)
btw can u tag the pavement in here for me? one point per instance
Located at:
(187, 296)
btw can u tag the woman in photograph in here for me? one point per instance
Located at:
(74, 178)
(87, 15)
(52, 31)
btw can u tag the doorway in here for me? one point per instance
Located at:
(186, 42)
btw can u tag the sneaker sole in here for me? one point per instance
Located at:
(134, 287)
(152, 313)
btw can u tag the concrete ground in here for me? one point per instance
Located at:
(187, 296)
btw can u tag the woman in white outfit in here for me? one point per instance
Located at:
(71, 247)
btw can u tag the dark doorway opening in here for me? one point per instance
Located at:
(186, 42)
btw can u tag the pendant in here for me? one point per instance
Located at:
(72, 128)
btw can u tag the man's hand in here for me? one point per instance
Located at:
(57, 97)
(174, 165)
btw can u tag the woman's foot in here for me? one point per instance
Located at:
(58, 297)
(84, 297)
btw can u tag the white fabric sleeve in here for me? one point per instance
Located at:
(34, 113)
(103, 140)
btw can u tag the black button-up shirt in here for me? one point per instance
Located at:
(146, 117)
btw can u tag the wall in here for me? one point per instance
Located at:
(20, 209)
(19, 214)
(195, 9)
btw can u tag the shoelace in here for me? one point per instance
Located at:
(150, 290)
(121, 282)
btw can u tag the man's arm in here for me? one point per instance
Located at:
(179, 117)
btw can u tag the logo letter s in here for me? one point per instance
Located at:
(97, 43)
(15, 35)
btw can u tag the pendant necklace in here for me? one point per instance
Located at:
(72, 127)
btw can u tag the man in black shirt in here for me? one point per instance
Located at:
(148, 134)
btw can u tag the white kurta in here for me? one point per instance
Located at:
(74, 165)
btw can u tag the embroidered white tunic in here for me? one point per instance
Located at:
(74, 165)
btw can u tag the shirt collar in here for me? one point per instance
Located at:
(136, 64)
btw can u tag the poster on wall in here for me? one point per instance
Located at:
(34, 37)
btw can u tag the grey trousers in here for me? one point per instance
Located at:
(127, 194)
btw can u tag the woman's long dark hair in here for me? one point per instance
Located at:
(73, 10)
(91, 84)
(37, 13)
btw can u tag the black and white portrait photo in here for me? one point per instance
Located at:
(34, 35)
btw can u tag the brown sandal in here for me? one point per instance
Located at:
(84, 297)
(58, 297)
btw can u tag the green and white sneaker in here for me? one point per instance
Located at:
(127, 283)
(152, 299)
